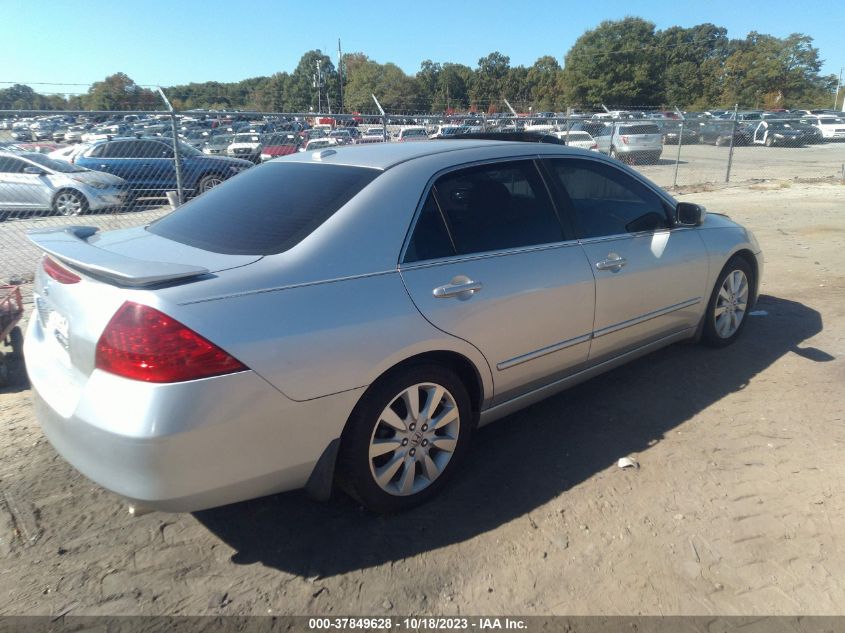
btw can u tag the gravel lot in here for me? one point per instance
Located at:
(737, 507)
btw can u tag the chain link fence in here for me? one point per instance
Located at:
(121, 168)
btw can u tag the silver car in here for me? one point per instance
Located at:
(631, 142)
(30, 181)
(353, 314)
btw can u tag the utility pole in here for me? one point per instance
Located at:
(836, 92)
(340, 74)
(318, 84)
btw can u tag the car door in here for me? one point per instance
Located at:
(650, 276)
(760, 133)
(20, 190)
(489, 261)
(152, 162)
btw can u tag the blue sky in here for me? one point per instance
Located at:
(167, 42)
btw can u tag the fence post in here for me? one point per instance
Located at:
(680, 142)
(177, 158)
(731, 151)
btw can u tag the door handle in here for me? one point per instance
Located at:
(459, 286)
(613, 263)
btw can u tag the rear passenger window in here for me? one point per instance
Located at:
(430, 239)
(606, 200)
(496, 206)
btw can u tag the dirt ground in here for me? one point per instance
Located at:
(737, 507)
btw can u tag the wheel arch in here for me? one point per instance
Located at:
(86, 203)
(751, 259)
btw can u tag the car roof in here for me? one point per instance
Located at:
(386, 155)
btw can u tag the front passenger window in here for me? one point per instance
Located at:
(607, 201)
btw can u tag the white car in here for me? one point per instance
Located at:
(412, 133)
(319, 143)
(831, 127)
(578, 138)
(246, 145)
(68, 154)
(445, 131)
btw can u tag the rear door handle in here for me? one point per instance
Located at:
(460, 286)
(613, 262)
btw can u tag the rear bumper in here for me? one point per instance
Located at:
(186, 446)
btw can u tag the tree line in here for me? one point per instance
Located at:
(623, 63)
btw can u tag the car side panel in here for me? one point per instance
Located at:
(319, 339)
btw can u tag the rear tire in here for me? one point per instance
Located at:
(16, 341)
(392, 458)
(727, 310)
(769, 142)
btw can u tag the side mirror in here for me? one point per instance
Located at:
(689, 214)
(35, 171)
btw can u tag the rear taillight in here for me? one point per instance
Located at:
(142, 343)
(594, 146)
(58, 272)
(624, 139)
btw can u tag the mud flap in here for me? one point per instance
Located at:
(321, 481)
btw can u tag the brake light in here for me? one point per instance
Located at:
(58, 272)
(594, 146)
(145, 344)
(624, 139)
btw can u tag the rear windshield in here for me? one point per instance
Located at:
(645, 128)
(264, 210)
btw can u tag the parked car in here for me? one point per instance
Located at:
(148, 165)
(770, 133)
(396, 298)
(277, 145)
(719, 133)
(246, 146)
(68, 154)
(22, 134)
(34, 182)
(217, 145)
(411, 133)
(631, 142)
(343, 136)
(318, 143)
(811, 135)
(577, 138)
(671, 131)
(372, 135)
(831, 127)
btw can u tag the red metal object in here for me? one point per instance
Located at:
(11, 309)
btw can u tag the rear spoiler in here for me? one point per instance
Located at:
(70, 245)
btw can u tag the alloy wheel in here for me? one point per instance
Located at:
(731, 304)
(414, 439)
(68, 203)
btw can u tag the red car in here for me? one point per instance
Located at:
(277, 145)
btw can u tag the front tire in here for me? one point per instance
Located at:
(69, 202)
(727, 310)
(209, 181)
(406, 438)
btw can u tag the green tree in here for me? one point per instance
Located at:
(544, 81)
(303, 92)
(488, 83)
(693, 61)
(119, 92)
(617, 63)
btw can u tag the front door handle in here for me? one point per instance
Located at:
(613, 263)
(459, 287)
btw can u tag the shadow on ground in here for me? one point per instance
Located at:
(523, 461)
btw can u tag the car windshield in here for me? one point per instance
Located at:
(829, 120)
(578, 136)
(280, 139)
(55, 165)
(407, 133)
(245, 138)
(374, 131)
(778, 125)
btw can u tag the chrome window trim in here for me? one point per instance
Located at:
(401, 264)
(430, 263)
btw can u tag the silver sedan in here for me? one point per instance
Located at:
(353, 314)
(31, 181)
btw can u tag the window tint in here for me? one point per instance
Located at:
(607, 201)
(497, 206)
(645, 128)
(117, 149)
(264, 210)
(10, 165)
(430, 238)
